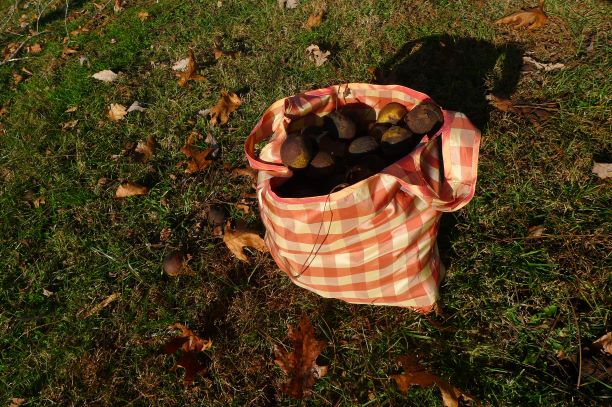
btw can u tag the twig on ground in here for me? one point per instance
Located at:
(11, 12)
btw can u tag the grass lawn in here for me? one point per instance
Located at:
(517, 309)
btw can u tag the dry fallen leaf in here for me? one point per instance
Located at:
(316, 55)
(199, 158)
(68, 51)
(239, 239)
(536, 231)
(604, 343)
(118, 6)
(288, 4)
(181, 65)
(244, 208)
(602, 170)
(228, 103)
(17, 78)
(315, 19)
(129, 188)
(38, 202)
(71, 109)
(535, 113)
(532, 18)
(116, 112)
(415, 375)
(106, 75)
(10, 49)
(69, 124)
(103, 304)
(190, 71)
(542, 66)
(142, 15)
(145, 149)
(79, 31)
(300, 365)
(34, 48)
(218, 52)
(190, 345)
(16, 402)
(135, 106)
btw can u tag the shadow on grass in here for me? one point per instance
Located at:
(457, 72)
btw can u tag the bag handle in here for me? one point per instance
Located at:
(443, 169)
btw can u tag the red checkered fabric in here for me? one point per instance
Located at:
(373, 242)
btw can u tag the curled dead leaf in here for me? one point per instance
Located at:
(128, 188)
(315, 19)
(602, 170)
(105, 76)
(68, 51)
(531, 18)
(34, 48)
(145, 150)
(228, 103)
(604, 343)
(536, 231)
(536, 113)
(189, 74)
(300, 365)
(71, 124)
(103, 304)
(136, 107)
(239, 239)
(316, 55)
(116, 112)
(142, 15)
(118, 6)
(416, 375)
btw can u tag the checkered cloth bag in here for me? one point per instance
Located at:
(373, 242)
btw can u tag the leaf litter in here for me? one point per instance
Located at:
(199, 158)
(300, 365)
(116, 112)
(128, 188)
(190, 71)
(105, 76)
(536, 113)
(416, 375)
(228, 104)
(532, 18)
(237, 240)
(190, 346)
(316, 55)
(602, 170)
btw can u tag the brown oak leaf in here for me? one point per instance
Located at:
(116, 112)
(604, 343)
(190, 72)
(145, 150)
(536, 113)
(199, 158)
(532, 18)
(315, 19)
(190, 345)
(416, 375)
(228, 103)
(237, 240)
(129, 188)
(300, 365)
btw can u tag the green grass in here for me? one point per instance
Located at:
(510, 303)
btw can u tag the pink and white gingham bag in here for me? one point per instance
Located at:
(373, 242)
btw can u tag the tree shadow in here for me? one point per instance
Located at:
(457, 72)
